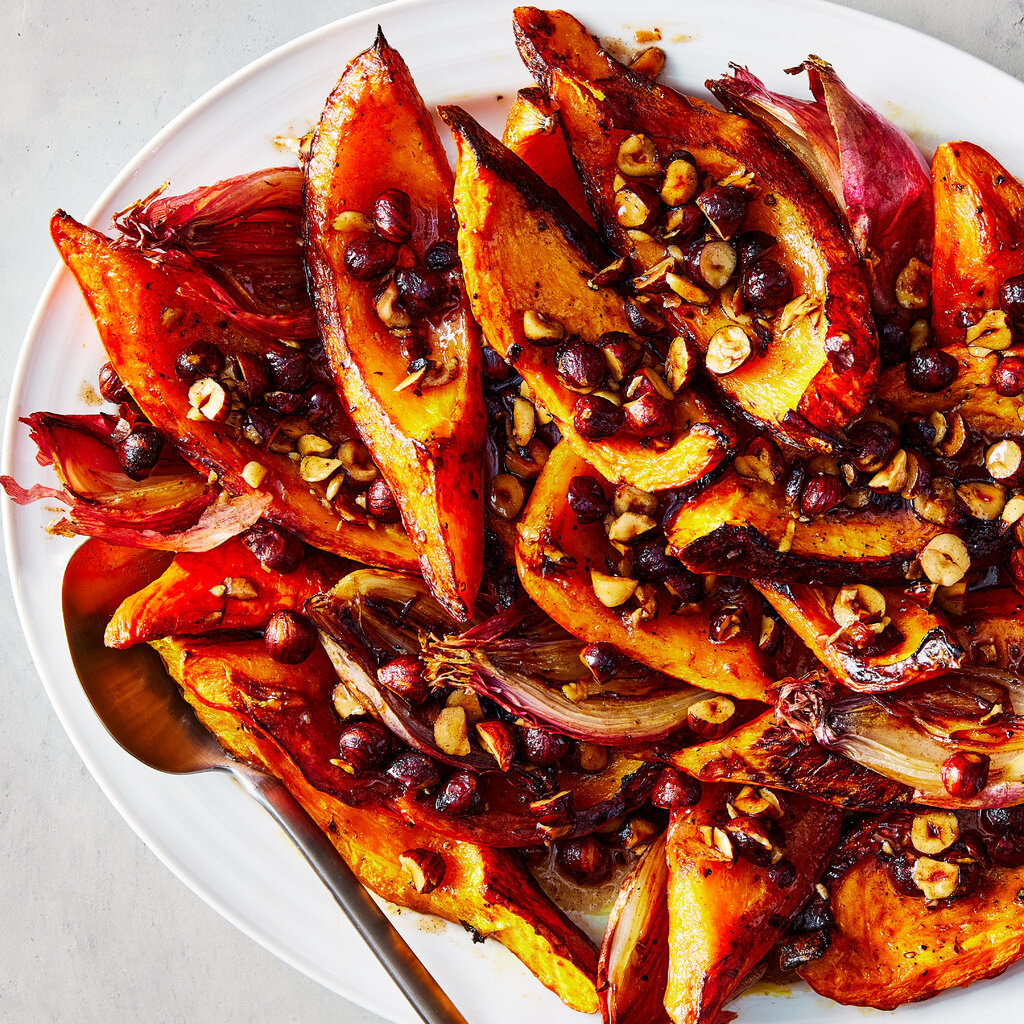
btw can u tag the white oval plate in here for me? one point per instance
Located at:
(216, 840)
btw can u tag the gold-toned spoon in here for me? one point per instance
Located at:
(142, 709)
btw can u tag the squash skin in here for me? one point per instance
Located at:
(928, 647)
(487, 890)
(375, 134)
(724, 915)
(181, 600)
(889, 949)
(511, 223)
(818, 379)
(126, 294)
(677, 645)
(979, 209)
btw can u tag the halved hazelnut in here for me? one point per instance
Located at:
(687, 290)
(681, 182)
(524, 421)
(635, 206)
(209, 398)
(358, 463)
(506, 495)
(758, 803)
(728, 350)
(1013, 510)
(937, 879)
(891, 478)
(712, 718)
(541, 328)
(945, 559)
(857, 603)
(649, 62)
(626, 528)
(612, 591)
(761, 460)
(956, 438)
(499, 740)
(315, 468)
(934, 831)
(628, 498)
(313, 444)
(717, 263)
(914, 285)
(591, 757)
(426, 868)
(1005, 462)
(637, 157)
(254, 473)
(938, 504)
(983, 501)
(451, 733)
(611, 274)
(992, 331)
(389, 311)
(637, 832)
(680, 362)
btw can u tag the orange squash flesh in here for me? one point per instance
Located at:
(128, 295)
(816, 376)
(927, 646)
(524, 250)
(724, 913)
(979, 210)
(376, 134)
(186, 597)
(677, 645)
(488, 890)
(889, 949)
(991, 629)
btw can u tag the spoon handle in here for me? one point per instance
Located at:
(407, 971)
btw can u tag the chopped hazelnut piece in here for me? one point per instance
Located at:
(469, 702)
(945, 559)
(541, 328)
(630, 525)
(313, 444)
(210, 399)
(914, 285)
(498, 740)
(628, 498)
(254, 473)
(240, 588)
(992, 331)
(679, 363)
(389, 312)
(934, 831)
(314, 468)
(892, 478)
(857, 603)
(612, 591)
(451, 733)
(524, 421)
(688, 291)
(352, 220)
(937, 879)
(637, 157)
(426, 868)
(649, 62)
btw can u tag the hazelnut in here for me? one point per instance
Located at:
(725, 207)
(992, 331)
(983, 501)
(938, 505)
(751, 838)
(761, 460)
(557, 809)
(392, 214)
(650, 415)
(541, 328)
(716, 263)
(648, 62)
(892, 477)
(315, 469)
(288, 368)
(873, 443)
(499, 740)
(1005, 462)
(673, 790)
(289, 637)
(751, 246)
(596, 418)
(681, 182)
(580, 366)
(637, 157)
(857, 603)
(364, 746)
(914, 285)
(421, 291)
(584, 860)
(369, 257)
(111, 386)
(602, 659)
(591, 757)
(414, 771)
(956, 439)
(542, 748)
(404, 676)
(687, 290)
(200, 360)
(625, 528)
(945, 559)
(766, 285)
(612, 591)
(680, 363)
(1008, 377)
(712, 718)
(965, 775)
(389, 311)
(621, 354)
(381, 503)
(506, 496)
(442, 256)
(460, 795)
(821, 493)
(254, 473)
(728, 350)
(642, 319)
(425, 868)
(1011, 297)
(637, 833)
(893, 339)
(934, 831)
(209, 398)
(275, 548)
(451, 732)
(139, 452)
(931, 369)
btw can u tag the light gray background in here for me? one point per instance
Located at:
(92, 927)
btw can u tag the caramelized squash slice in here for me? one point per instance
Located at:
(889, 948)
(991, 629)
(676, 644)
(979, 210)
(427, 438)
(724, 911)
(487, 890)
(226, 588)
(916, 644)
(524, 251)
(821, 366)
(145, 320)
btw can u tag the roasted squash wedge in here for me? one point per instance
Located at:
(819, 364)
(890, 948)
(979, 210)
(676, 644)
(487, 890)
(526, 253)
(145, 320)
(533, 133)
(915, 644)
(725, 910)
(226, 588)
(403, 344)
(745, 528)
(991, 629)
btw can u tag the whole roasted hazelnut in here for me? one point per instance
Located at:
(460, 795)
(381, 503)
(873, 445)
(442, 256)
(674, 790)
(596, 417)
(587, 500)
(931, 369)
(421, 291)
(585, 860)
(540, 747)
(643, 320)
(580, 366)
(822, 493)
(414, 771)
(392, 215)
(252, 374)
(650, 415)
(1011, 297)
(287, 403)
(199, 360)
(725, 206)
(322, 409)
(1002, 820)
(288, 368)
(139, 451)
(766, 285)
(602, 659)
(404, 676)
(289, 637)
(893, 339)
(364, 746)
(621, 353)
(965, 775)
(275, 548)
(751, 246)
(111, 386)
(369, 257)
(1008, 377)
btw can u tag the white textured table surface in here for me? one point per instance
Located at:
(94, 928)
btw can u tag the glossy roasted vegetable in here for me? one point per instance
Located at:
(991, 629)
(890, 944)
(511, 224)
(734, 882)
(555, 555)
(392, 313)
(805, 370)
(254, 707)
(146, 323)
(870, 639)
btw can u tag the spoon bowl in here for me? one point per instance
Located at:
(143, 710)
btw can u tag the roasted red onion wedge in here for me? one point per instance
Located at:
(871, 168)
(172, 509)
(238, 241)
(633, 968)
(910, 735)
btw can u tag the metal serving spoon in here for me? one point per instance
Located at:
(142, 709)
